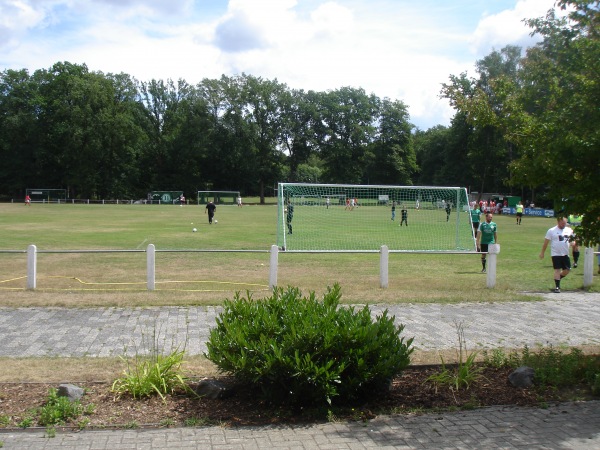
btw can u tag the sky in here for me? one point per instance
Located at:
(400, 49)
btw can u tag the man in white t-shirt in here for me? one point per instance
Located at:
(560, 238)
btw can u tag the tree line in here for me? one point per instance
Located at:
(110, 136)
(527, 123)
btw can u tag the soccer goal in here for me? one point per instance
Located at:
(218, 197)
(336, 217)
(47, 195)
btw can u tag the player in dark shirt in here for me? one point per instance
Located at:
(210, 208)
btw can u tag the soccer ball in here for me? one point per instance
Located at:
(194, 230)
(216, 221)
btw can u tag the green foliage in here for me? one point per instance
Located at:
(157, 374)
(152, 370)
(499, 358)
(26, 422)
(553, 367)
(465, 373)
(305, 351)
(58, 409)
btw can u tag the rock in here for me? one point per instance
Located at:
(72, 392)
(522, 377)
(213, 389)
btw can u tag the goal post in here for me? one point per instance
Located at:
(218, 197)
(47, 195)
(338, 217)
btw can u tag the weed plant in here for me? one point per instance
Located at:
(58, 410)
(155, 374)
(553, 367)
(307, 352)
(465, 373)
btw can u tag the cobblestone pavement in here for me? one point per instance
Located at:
(568, 318)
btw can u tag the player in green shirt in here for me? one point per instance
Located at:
(485, 236)
(475, 215)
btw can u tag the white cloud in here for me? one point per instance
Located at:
(507, 27)
(394, 48)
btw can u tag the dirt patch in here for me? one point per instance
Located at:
(409, 392)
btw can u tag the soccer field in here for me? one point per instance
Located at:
(207, 277)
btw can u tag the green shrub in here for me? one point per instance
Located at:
(157, 374)
(58, 409)
(305, 351)
(553, 367)
(155, 369)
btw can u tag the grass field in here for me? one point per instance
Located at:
(369, 227)
(184, 278)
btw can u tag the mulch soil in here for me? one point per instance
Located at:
(408, 393)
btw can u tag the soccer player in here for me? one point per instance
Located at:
(239, 201)
(448, 210)
(404, 215)
(560, 239)
(27, 200)
(519, 212)
(486, 235)
(475, 217)
(289, 217)
(574, 220)
(393, 209)
(210, 208)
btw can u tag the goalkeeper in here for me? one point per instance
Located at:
(485, 236)
(289, 217)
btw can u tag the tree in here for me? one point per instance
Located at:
(393, 156)
(263, 112)
(558, 114)
(481, 104)
(346, 130)
(19, 131)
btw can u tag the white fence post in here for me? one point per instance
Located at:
(151, 266)
(492, 259)
(273, 266)
(588, 267)
(384, 258)
(31, 267)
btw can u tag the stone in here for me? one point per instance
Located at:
(522, 377)
(72, 392)
(213, 389)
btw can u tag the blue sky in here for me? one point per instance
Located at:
(399, 49)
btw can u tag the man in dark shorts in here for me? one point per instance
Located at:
(560, 239)
(475, 217)
(404, 216)
(289, 211)
(210, 208)
(486, 235)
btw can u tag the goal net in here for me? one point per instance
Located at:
(47, 195)
(218, 197)
(336, 217)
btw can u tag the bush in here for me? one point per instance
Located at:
(304, 351)
(158, 374)
(58, 409)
